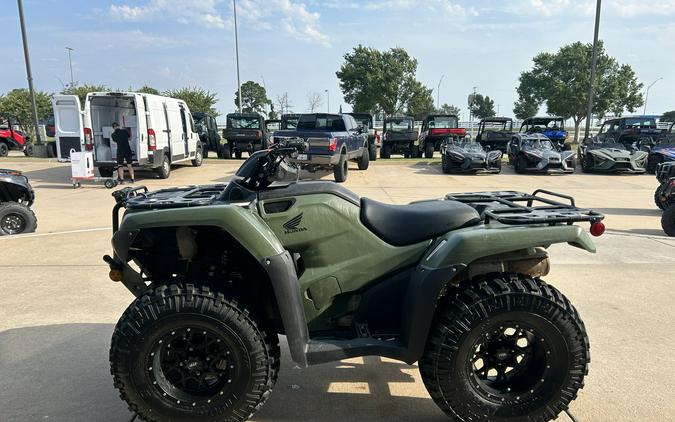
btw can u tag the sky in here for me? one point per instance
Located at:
(297, 46)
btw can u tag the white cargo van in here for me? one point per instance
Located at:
(161, 128)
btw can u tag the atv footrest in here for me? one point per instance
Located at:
(519, 208)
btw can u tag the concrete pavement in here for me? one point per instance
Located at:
(58, 308)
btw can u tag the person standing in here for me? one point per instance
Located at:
(121, 138)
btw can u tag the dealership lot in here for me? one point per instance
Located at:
(59, 308)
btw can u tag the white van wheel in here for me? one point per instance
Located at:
(199, 157)
(164, 170)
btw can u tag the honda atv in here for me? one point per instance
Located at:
(16, 198)
(220, 271)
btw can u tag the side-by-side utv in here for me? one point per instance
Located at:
(495, 133)
(399, 137)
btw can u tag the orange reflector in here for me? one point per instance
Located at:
(115, 275)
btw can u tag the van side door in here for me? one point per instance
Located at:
(185, 134)
(142, 129)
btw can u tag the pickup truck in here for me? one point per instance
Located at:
(333, 140)
(244, 132)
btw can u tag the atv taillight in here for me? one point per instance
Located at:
(332, 145)
(597, 228)
(88, 143)
(152, 140)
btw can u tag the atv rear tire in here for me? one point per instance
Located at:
(372, 152)
(428, 150)
(341, 169)
(16, 218)
(385, 151)
(445, 164)
(237, 155)
(182, 353)
(505, 347)
(364, 160)
(4, 149)
(668, 220)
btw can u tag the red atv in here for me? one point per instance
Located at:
(13, 139)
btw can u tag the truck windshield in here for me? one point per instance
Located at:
(443, 122)
(321, 122)
(399, 125)
(244, 123)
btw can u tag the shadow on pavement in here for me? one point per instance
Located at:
(647, 232)
(60, 174)
(61, 373)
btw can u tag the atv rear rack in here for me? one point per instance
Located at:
(519, 208)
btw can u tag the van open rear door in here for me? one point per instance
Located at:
(68, 128)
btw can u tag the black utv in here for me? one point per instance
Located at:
(289, 121)
(207, 128)
(245, 132)
(399, 137)
(495, 133)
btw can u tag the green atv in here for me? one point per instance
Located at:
(221, 271)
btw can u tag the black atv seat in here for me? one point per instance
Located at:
(401, 225)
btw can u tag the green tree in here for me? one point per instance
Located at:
(82, 90)
(16, 104)
(524, 108)
(561, 79)
(449, 109)
(272, 115)
(668, 116)
(197, 99)
(483, 107)
(253, 97)
(147, 89)
(373, 80)
(421, 101)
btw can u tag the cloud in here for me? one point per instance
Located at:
(448, 7)
(182, 11)
(292, 17)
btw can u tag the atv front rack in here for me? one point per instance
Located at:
(138, 198)
(519, 208)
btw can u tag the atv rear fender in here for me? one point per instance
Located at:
(451, 258)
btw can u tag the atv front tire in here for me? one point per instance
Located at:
(668, 220)
(521, 164)
(659, 200)
(183, 353)
(16, 218)
(505, 347)
(4, 149)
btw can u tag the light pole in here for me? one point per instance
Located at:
(29, 73)
(236, 48)
(327, 100)
(438, 93)
(265, 88)
(70, 61)
(594, 62)
(647, 95)
(473, 99)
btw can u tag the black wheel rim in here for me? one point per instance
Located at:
(13, 223)
(192, 365)
(511, 361)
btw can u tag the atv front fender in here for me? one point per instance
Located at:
(242, 224)
(453, 252)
